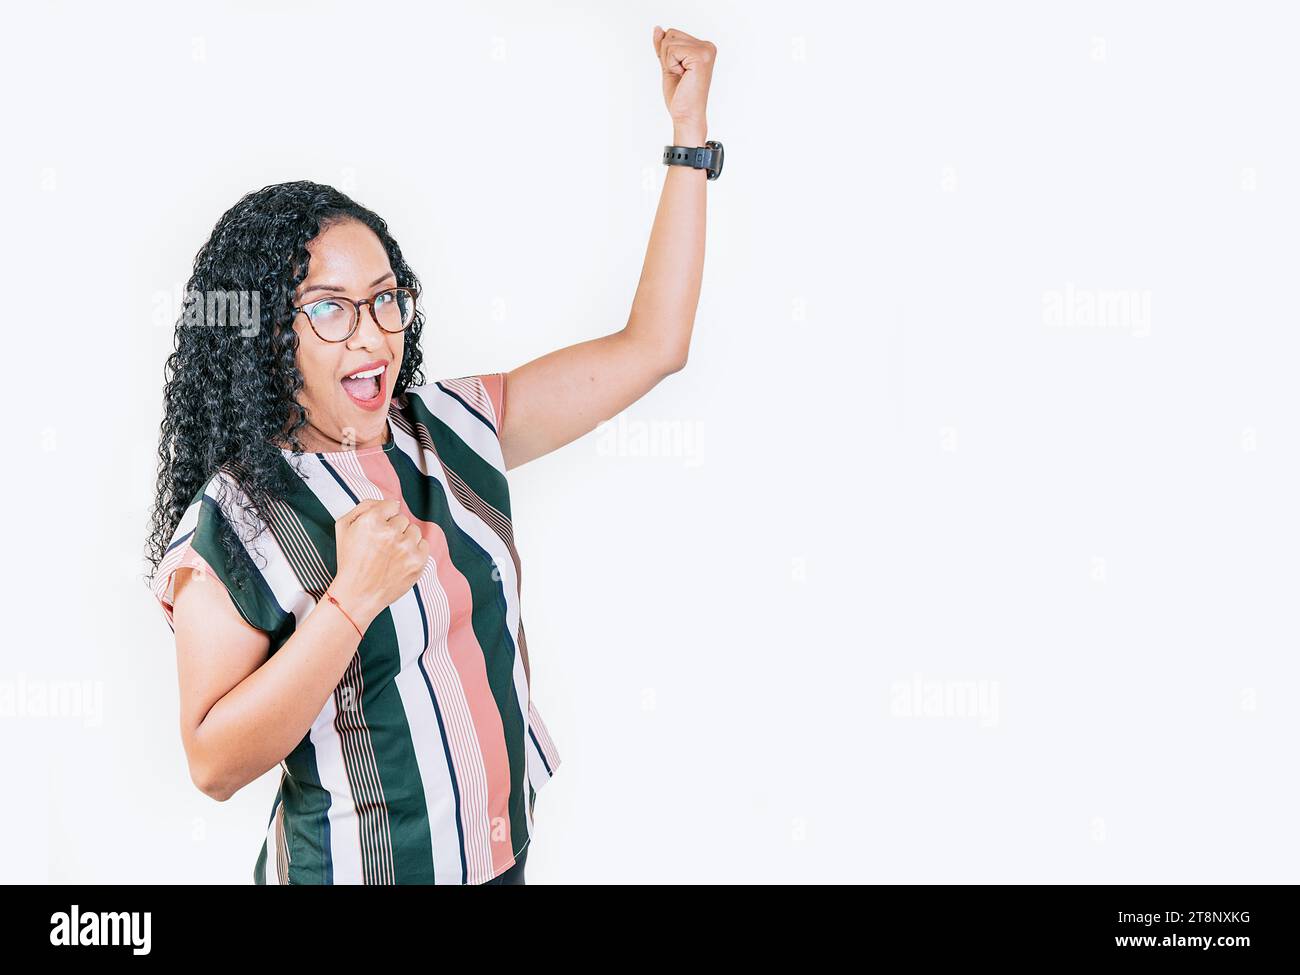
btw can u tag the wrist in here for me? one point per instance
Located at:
(361, 610)
(690, 133)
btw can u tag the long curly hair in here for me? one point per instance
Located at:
(230, 399)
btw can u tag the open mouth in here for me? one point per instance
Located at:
(366, 386)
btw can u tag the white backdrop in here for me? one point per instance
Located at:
(964, 548)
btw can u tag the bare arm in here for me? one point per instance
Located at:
(565, 394)
(242, 713)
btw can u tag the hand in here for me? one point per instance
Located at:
(381, 554)
(687, 64)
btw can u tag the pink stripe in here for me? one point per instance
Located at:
(468, 659)
(495, 384)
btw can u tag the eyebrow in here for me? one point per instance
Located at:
(335, 287)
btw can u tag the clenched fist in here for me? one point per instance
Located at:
(687, 65)
(381, 554)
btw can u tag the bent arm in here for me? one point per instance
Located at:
(240, 712)
(561, 396)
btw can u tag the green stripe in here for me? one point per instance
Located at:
(255, 602)
(306, 805)
(259, 869)
(483, 479)
(385, 717)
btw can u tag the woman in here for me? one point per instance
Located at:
(332, 542)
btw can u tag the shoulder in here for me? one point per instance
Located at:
(482, 395)
(462, 416)
(219, 531)
(220, 504)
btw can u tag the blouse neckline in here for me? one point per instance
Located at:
(384, 448)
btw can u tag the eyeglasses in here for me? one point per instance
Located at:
(335, 319)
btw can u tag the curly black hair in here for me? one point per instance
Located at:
(230, 398)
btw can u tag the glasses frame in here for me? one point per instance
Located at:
(356, 312)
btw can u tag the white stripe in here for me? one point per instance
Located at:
(271, 562)
(430, 755)
(164, 582)
(537, 771)
(345, 823)
(469, 428)
(272, 854)
(189, 521)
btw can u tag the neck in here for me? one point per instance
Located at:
(314, 439)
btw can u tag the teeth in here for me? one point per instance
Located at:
(378, 371)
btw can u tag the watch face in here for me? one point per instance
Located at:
(716, 170)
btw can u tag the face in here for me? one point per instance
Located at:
(343, 411)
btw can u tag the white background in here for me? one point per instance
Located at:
(904, 469)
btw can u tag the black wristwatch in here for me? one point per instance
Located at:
(707, 156)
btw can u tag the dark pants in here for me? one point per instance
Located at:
(515, 875)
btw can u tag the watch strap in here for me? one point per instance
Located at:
(707, 156)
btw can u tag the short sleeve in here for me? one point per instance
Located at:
(183, 556)
(494, 386)
(483, 394)
(459, 422)
(198, 543)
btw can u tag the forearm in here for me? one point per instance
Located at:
(264, 717)
(668, 294)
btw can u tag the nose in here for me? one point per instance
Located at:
(368, 334)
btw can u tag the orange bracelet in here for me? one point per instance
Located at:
(330, 596)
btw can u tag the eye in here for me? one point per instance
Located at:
(326, 306)
(387, 298)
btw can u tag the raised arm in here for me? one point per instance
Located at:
(557, 398)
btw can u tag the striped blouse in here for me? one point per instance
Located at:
(424, 764)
